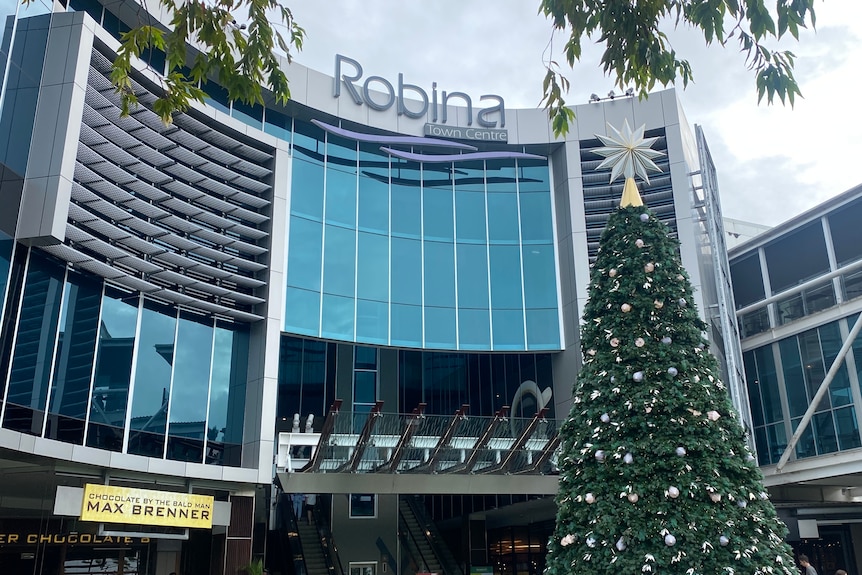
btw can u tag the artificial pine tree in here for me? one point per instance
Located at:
(655, 473)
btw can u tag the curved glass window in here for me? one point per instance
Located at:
(152, 380)
(118, 328)
(409, 249)
(191, 378)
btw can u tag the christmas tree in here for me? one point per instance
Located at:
(655, 473)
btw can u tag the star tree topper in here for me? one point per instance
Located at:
(628, 153)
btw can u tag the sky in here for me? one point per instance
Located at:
(774, 162)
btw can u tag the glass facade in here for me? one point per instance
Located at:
(456, 256)
(94, 365)
(444, 381)
(783, 378)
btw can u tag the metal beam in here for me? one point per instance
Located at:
(407, 434)
(547, 452)
(362, 442)
(431, 464)
(328, 425)
(821, 391)
(518, 445)
(483, 440)
(417, 483)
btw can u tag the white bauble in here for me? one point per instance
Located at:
(600, 455)
(672, 371)
(628, 458)
(723, 540)
(621, 544)
(715, 497)
(633, 497)
(644, 218)
(673, 492)
(590, 498)
(605, 418)
(591, 542)
(680, 451)
(649, 267)
(713, 415)
(639, 342)
(626, 308)
(638, 376)
(639, 243)
(669, 540)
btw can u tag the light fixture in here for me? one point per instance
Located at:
(611, 94)
(594, 97)
(630, 92)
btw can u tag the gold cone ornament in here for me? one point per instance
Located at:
(628, 154)
(631, 196)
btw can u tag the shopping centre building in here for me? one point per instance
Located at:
(371, 294)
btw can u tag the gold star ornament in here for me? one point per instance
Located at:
(630, 154)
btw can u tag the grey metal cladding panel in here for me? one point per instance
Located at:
(238, 196)
(246, 282)
(104, 270)
(99, 81)
(85, 175)
(184, 173)
(147, 190)
(139, 285)
(181, 225)
(142, 246)
(66, 253)
(152, 138)
(186, 139)
(92, 118)
(89, 136)
(145, 208)
(110, 211)
(146, 228)
(82, 195)
(147, 172)
(179, 242)
(185, 156)
(175, 278)
(232, 242)
(246, 299)
(109, 191)
(184, 190)
(102, 228)
(180, 207)
(106, 169)
(235, 163)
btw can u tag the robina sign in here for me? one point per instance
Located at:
(348, 73)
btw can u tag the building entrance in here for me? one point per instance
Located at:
(832, 551)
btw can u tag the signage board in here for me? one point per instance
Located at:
(112, 504)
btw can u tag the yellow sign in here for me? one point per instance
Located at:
(110, 504)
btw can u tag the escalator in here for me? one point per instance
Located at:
(426, 549)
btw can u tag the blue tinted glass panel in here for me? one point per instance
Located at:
(794, 378)
(470, 212)
(34, 345)
(372, 273)
(6, 245)
(308, 141)
(540, 277)
(824, 431)
(406, 211)
(474, 327)
(337, 317)
(472, 276)
(339, 258)
(73, 364)
(543, 329)
(440, 327)
(372, 321)
(533, 176)
(439, 274)
(188, 414)
(501, 176)
(365, 357)
(508, 329)
(306, 191)
(373, 191)
(847, 428)
(536, 220)
(341, 197)
(406, 271)
(152, 384)
(302, 311)
(506, 277)
(249, 114)
(830, 341)
(438, 215)
(113, 370)
(503, 218)
(277, 124)
(365, 386)
(768, 384)
(304, 253)
(227, 396)
(406, 325)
